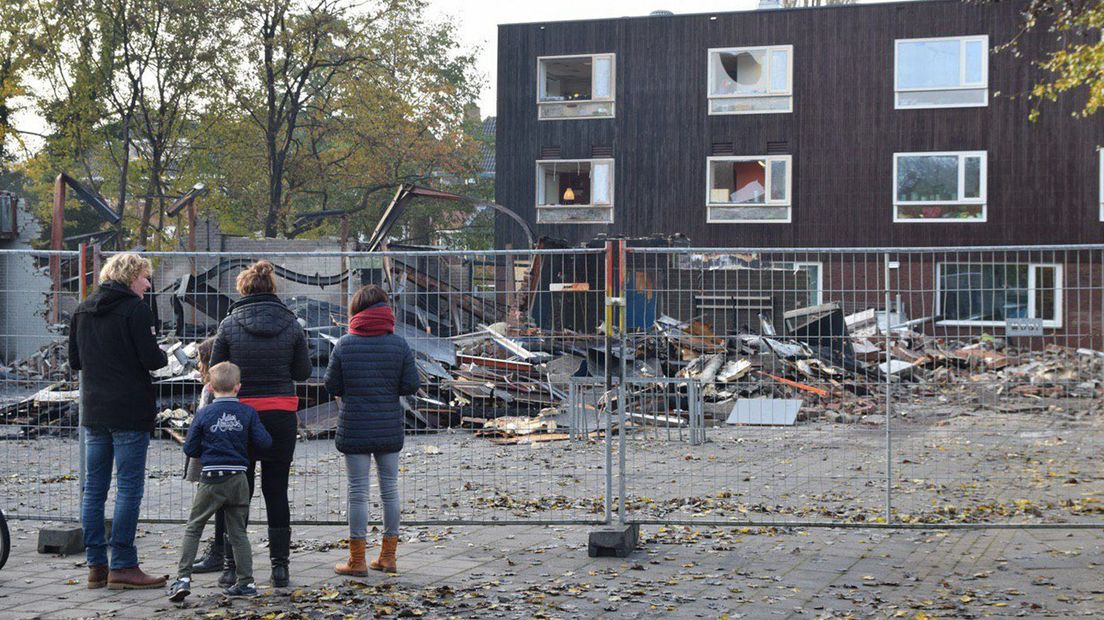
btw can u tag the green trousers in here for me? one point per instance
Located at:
(232, 494)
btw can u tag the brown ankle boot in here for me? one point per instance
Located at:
(386, 561)
(97, 576)
(133, 579)
(356, 566)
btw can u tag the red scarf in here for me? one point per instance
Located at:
(374, 320)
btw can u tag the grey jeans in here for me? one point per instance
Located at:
(359, 468)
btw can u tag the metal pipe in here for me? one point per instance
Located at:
(56, 240)
(888, 398)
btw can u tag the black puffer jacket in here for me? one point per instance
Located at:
(369, 373)
(111, 339)
(262, 336)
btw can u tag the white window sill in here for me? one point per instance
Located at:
(711, 219)
(574, 214)
(1046, 324)
(897, 219)
(546, 110)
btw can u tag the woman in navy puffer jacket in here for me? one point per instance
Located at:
(370, 368)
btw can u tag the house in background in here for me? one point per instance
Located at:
(866, 126)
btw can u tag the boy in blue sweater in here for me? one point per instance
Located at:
(221, 437)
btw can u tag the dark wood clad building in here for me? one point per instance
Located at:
(792, 128)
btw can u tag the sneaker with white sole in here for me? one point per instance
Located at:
(180, 589)
(249, 589)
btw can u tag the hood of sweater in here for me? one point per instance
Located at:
(106, 298)
(374, 320)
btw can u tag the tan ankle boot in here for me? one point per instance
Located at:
(386, 561)
(355, 567)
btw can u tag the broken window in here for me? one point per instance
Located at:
(990, 294)
(575, 86)
(576, 191)
(951, 72)
(749, 189)
(939, 187)
(750, 80)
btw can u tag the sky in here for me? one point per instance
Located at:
(477, 22)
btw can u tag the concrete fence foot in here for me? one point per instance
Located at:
(61, 540)
(615, 541)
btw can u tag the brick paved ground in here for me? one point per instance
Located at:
(532, 571)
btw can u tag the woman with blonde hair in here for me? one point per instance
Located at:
(113, 342)
(263, 337)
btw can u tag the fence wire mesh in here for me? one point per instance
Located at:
(908, 387)
(488, 435)
(663, 385)
(39, 453)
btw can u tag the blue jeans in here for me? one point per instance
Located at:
(127, 451)
(359, 467)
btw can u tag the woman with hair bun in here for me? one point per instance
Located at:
(263, 337)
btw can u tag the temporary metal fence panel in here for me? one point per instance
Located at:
(475, 451)
(905, 387)
(950, 387)
(1001, 421)
(721, 318)
(39, 453)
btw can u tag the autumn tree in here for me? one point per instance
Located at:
(349, 101)
(1076, 61)
(293, 52)
(402, 115)
(184, 38)
(17, 43)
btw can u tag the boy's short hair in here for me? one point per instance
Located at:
(224, 377)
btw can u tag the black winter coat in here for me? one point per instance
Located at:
(112, 340)
(262, 336)
(370, 373)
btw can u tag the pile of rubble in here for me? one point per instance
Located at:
(509, 380)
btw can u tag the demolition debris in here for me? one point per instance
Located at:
(501, 363)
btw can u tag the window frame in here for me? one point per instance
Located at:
(1100, 180)
(797, 265)
(962, 84)
(1032, 289)
(612, 99)
(767, 201)
(537, 178)
(983, 189)
(768, 49)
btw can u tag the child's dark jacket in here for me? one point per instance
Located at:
(222, 435)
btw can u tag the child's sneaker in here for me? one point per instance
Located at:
(180, 589)
(249, 589)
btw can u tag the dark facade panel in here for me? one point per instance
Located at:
(1042, 177)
